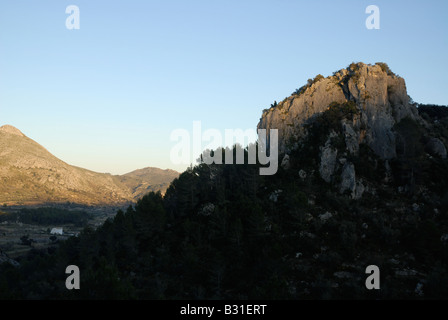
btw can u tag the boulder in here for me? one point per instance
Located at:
(285, 162)
(436, 148)
(325, 216)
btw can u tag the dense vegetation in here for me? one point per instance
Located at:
(225, 232)
(47, 216)
(438, 117)
(434, 112)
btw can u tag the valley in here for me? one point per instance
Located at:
(361, 183)
(12, 232)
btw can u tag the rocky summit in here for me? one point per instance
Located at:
(31, 175)
(366, 104)
(379, 95)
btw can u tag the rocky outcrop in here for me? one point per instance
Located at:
(352, 137)
(290, 114)
(380, 96)
(349, 183)
(377, 101)
(348, 178)
(328, 156)
(436, 148)
(285, 162)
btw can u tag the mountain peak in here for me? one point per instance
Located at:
(343, 121)
(378, 94)
(11, 130)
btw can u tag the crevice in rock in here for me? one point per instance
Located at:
(345, 88)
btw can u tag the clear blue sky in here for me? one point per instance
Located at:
(106, 97)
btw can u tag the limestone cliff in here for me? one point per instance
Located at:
(380, 96)
(377, 102)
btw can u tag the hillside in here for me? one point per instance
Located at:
(362, 182)
(143, 181)
(31, 175)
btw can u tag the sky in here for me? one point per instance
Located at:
(107, 96)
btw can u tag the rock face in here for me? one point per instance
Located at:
(349, 183)
(348, 177)
(328, 159)
(380, 96)
(379, 101)
(351, 136)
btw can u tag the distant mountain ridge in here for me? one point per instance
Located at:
(29, 174)
(148, 179)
